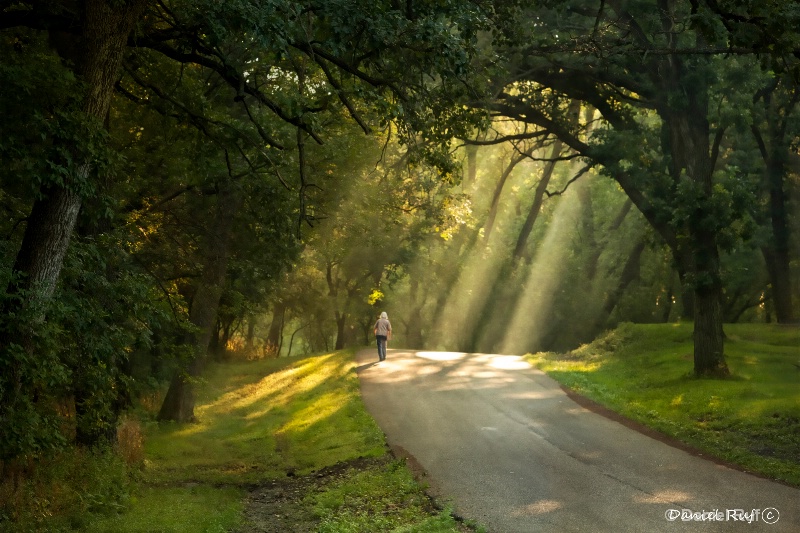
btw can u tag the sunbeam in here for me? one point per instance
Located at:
(526, 327)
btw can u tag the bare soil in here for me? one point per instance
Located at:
(280, 506)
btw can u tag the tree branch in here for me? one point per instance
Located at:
(575, 178)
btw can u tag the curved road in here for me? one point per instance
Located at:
(510, 450)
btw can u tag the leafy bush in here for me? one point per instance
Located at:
(58, 493)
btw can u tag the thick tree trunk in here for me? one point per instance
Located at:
(276, 326)
(46, 239)
(776, 253)
(709, 359)
(691, 154)
(341, 323)
(179, 402)
(96, 52)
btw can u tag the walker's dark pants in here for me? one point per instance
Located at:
(381, 340)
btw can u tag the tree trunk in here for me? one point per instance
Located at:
(691, 154)
(251, 335)
(179, 402)
(472, 166)
(629, 274)
(516, 158)
(533, 213)
(341, 323)
(666, 302)
(536, 207)
(97, 54)
(776, 252)
(276, 326)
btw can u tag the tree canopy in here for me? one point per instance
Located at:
(187, 179)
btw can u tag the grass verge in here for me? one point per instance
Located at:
(644, 372)
(261, 454)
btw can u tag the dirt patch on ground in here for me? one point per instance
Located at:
(279, 507)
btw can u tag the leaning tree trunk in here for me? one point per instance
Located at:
(541, 188)
(179, 402)
(96, 53)
(516, 158)
(536, 207)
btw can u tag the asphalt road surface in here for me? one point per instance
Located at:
(507, 448)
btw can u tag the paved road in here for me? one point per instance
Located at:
(504, 444)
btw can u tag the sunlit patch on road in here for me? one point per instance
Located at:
(535, 395)
(663, 496)
(509, 362)
(537, 508)
(441, 356)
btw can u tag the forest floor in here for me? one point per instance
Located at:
(281, 506)
(287, 505)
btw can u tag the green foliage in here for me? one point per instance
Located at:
(382, 498)
(260, 419)
(47, 138)
(67, 373)
(32, 381)
(63, 492)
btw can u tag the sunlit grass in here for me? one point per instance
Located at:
(645, 372)
(258, 420)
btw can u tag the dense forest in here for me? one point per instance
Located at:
(193, 180)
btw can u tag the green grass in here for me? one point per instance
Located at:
(645, 372)
(381, 498)
(203, 509)
(261, 421)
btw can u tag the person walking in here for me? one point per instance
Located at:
(383, 332)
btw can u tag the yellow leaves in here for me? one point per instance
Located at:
(375, 296)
